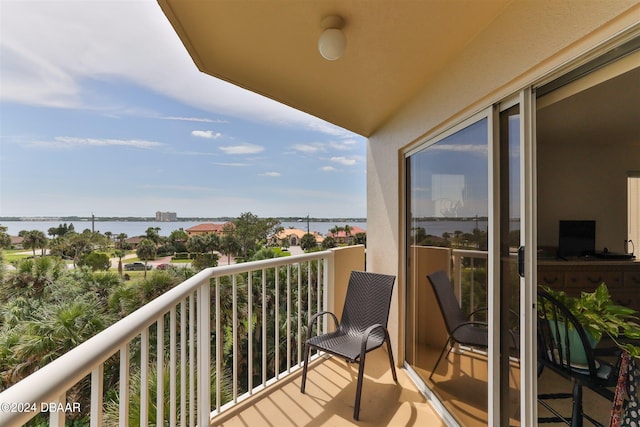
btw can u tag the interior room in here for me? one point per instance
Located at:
(588, 158)
(588, 140)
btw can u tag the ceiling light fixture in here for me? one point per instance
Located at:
(332, 41)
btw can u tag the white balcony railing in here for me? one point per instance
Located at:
(193, 352)
(468, 260)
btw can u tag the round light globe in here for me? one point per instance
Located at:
(332, 43)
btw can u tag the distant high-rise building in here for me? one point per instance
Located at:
(166, 216)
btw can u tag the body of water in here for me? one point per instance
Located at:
(139, 228)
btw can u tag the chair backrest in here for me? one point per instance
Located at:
(562, 341)
(367, 302)
(447, 301)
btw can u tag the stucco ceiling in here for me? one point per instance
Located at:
(393, 48)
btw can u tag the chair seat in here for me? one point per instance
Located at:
(603, 371)
(344, 344)
(472, 336)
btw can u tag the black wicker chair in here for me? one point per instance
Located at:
(363, 326)
(557, 328)
(460, 329)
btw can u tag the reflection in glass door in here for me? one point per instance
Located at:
(447, 229)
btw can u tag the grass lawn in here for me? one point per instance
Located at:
(10, 255)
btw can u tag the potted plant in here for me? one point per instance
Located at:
(599, 316)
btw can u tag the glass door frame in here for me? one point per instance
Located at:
(528, 360)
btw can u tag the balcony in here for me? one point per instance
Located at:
(227, 344)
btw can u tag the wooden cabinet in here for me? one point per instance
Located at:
(621, 277)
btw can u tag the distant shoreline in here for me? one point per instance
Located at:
(179, 219)
(214, 219)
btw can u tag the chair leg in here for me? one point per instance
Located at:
(391, 362)
(440, 357)
(307, 350)
(356, 407)
(576, 412)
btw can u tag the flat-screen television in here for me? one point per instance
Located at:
(576, 238)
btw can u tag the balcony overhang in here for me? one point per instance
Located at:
(270, 47)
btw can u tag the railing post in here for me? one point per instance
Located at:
(97, 380)
(325, 292)
(204, 365)
(124, 386)
(56, 418)
(144, 377)
(218, 359)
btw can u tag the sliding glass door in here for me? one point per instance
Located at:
(465, 216)
(447, 230)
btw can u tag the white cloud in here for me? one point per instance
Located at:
(51, 49)
(208, 134)
(345, 144)
(242, 149)
(309, 148)
(233, 165)
(194, 119)
(273, 174)
(71, 142)
(328, 169)
(343, 160)
(180, 188)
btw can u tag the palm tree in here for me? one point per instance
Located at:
(109, 236)
(229, 245)
(119, 253)
(122, 237)
(146, 250)
(112, 408)
(347, 232)
(34, 239)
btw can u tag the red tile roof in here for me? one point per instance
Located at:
(352, 232)
(206, 228)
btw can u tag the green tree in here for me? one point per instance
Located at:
(121, 241)
(252, 232)
(212, 243)
(109, 236)
(308, 242)
(153, 234)
(34, 239)
(95, 261)
(197, 244)
(76, 245)
(347, 233)
(229, 244)
(329, 242)
(119, 253)
(60, 230)
(5, 239)
(146, 250)
(178, 240)
(360, 239)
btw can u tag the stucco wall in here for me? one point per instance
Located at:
(527, 42)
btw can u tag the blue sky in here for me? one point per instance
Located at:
(103, 111)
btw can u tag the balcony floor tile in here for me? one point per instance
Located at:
(329, 399)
